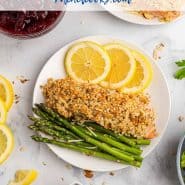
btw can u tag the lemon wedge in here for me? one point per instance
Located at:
(24, 177)
(87, 62)
(3, 112)
(142, 77)
(6, 92)
(6, 142)
(123, 66)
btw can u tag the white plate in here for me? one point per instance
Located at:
(160, 101)
(118, 12)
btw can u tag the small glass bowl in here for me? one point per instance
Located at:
(34, 34)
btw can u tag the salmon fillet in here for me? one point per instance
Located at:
(131, 115)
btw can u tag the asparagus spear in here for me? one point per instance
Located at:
(109, 132)
(40, 114)
(61, 136)
(85, 151)
(74, 129)
(52, 125)
(50, 132)
(136, 157)
(141, 141)
(127, 140)
(111, 141)
(51, 129)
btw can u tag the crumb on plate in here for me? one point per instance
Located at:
(89, 174)
(157, 51)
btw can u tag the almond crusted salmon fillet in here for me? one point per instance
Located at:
(122, 113)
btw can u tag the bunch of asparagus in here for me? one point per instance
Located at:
(88, 138)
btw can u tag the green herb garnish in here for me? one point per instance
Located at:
(180, 63)
(180, 74)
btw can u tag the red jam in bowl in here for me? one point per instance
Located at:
(28, 24)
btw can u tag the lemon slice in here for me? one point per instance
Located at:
(3, 112)
(123, 66)
(87, 62)
(142, 77)
(6, 92)
(24, 177)
(6, 142)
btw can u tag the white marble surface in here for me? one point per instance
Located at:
(27, 58)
